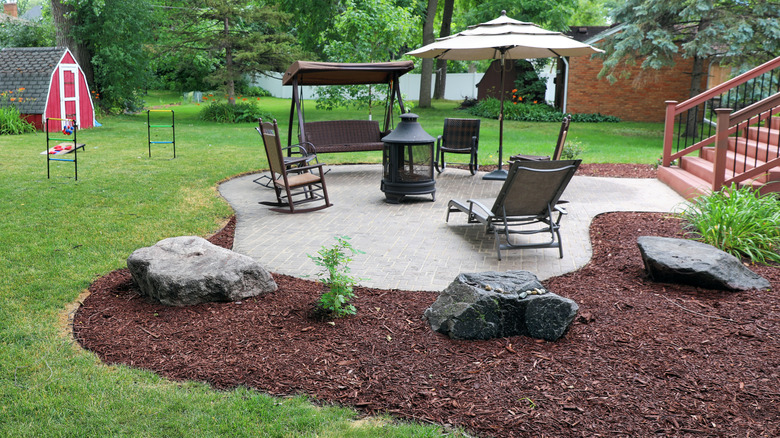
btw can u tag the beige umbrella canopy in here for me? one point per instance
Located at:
(503, 38)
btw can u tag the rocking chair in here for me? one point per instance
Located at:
(294, 186)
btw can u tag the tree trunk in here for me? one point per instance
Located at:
(230, 82)
(427, 63)
(695, 115)
(441, 64)
(64, 38)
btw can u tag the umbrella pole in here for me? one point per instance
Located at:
(500, 174)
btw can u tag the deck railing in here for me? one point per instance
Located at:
(691, 125)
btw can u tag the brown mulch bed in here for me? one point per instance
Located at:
(620, 170)
(641, 359)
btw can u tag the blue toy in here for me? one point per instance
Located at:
(68, 130)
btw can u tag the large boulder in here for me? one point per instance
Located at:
(684, 261)
(181, 271)
(499, 304)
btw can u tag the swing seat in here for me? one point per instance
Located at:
(342, 136)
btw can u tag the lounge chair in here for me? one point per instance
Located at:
(460, 136)
(558, 146)
(294, 186)
(529, 198)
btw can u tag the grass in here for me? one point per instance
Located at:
(59, 235)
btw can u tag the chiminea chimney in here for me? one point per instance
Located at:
(11, 9)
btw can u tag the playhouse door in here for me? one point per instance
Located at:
(69, 94)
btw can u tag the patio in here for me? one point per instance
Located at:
(409, 245)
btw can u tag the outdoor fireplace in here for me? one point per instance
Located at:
(408, 161)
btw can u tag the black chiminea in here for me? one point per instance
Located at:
(407, 161)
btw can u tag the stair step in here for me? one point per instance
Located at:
(686, 184)
(764, 134)
(698, 167)
(752, 148)
(774, 122)
(708, 154)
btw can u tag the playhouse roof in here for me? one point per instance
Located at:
(29, 68)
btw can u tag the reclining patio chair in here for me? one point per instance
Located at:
(460, 136)
(294, 186)
(526, 204)
(296, 155)
(558, 146)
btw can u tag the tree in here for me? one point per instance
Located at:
(108, 39)
(366, 31)
(655, 32)
(441, 64)
(308, 19)
(245, 35)
(427, 63)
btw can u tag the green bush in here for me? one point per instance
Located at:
(242, 111)
(572, 149)
(530, 112)
(738, 221)
(10, 122)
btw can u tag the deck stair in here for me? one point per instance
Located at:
(745, 147)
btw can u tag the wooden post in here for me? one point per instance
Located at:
(668, 132)
(721, 146)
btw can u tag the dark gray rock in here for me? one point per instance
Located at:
(683, 261)
(182, 271)
(499, 304)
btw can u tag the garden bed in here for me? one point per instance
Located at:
(641, 358)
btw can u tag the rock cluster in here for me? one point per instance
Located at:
(499, 304)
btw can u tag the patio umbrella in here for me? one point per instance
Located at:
(503, 38)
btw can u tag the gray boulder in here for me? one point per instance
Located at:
(499, 304)
(683, 261)
(182, 271)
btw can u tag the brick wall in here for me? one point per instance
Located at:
(639, 98)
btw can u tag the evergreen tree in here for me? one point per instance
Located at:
(725, 31)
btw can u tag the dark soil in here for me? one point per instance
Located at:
(641, 359)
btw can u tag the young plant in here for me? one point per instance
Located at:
(739, 221)
(335, 260)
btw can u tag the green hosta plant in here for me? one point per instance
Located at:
(739, 221)
(335, 260)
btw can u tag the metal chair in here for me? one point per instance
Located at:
(294, 186)
(460, 136)
(529, 197)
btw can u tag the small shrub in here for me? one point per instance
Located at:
(738, 221)
(572, 149)
(243, 111)
(257, 91)
(340, 285)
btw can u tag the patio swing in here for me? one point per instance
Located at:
(343, 135)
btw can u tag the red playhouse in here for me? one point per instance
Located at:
(46, 82)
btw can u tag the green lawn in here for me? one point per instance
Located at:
(58, 235)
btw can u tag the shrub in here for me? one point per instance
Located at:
(739, 221)
(572, 149)
(340, 285)
(10, 121)
(242, 111)
(530, 112)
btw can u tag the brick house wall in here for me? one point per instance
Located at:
(640, 98)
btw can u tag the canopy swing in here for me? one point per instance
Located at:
(311, 73)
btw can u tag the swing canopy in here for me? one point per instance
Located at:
(336, 73)
(313, 73)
